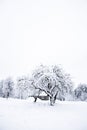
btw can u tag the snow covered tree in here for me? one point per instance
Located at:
(47, 83)
(44, 80)
(53, 81)
(8, 87)
(21, 89)
(81, 92)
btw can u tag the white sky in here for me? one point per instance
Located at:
(34, 32)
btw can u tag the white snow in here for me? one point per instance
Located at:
(26, 115)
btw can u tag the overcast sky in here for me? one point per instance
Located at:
(34, 32)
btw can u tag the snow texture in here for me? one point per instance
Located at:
(17, 114)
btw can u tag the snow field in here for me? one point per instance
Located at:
(18, 114)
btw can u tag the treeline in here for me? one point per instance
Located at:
(52, 80)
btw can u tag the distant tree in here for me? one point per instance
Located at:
(1, 88)
(21, 89)
(8, 87)
(80, 92)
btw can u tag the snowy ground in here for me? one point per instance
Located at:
(25, 115)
